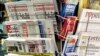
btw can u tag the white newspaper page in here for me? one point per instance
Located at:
(89, 21)
(89, 44)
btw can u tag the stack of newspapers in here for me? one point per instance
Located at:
(30, 27)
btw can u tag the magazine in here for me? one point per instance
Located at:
(68, 7)
(68, 26)
(70, 45)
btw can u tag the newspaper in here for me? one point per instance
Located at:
(89, 44)
(34, 45)
(31, 10)
(40, 9)
(22, 28)
(30, 28)
(89, 21)
(21, 10)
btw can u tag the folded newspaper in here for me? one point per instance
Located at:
(30, 28)
(33, 45)
(36, 9)
(89, 21)
(89, 44)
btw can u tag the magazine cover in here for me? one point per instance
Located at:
(89, 21)
(68, 26)
(68, 7)
(70, 44)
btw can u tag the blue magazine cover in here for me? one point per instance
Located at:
(70, 44)
(68, 8)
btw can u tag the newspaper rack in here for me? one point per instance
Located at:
(33, 12)
(17, 14)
